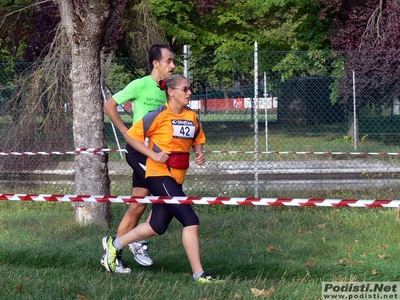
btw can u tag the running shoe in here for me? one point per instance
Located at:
(207, 278)
(139, 250)
(110, 253)
(119, 266)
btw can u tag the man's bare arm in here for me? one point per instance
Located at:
(111, 109)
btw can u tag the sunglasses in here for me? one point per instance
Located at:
(184, 89)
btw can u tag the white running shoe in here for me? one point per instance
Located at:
(140, 254)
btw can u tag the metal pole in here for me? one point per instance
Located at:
(266, 110)
(112, 125)
(186, 62)
(354, 111)
(256, 104)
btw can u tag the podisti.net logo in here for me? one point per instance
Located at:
(361, 290)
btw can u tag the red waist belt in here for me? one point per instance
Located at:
(178, 160)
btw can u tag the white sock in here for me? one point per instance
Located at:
(116, 244)
(197, 275)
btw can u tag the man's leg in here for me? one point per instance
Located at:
(134, 212)
(130, 221)
(136, 161)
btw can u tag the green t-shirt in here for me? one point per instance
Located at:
(144, 93)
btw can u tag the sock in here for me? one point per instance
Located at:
(116, 244)
(197, 275)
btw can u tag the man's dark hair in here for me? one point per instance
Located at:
(155, 53)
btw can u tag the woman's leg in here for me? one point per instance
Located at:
(167, 186)
(190, 240)
(141, 232)
(158, 223)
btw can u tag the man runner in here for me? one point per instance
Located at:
(146, 96)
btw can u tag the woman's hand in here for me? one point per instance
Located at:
(200, 159)
(161, 157)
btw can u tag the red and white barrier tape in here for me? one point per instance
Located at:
(384, 203)
(99, 151)
(96, 151)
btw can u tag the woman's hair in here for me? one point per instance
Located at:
(171, 82)
(156, 54)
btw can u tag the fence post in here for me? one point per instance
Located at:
(256, 104)
(186, 54)
(112, 124)
(354, 111)
(266, 110)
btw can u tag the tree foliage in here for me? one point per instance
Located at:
(232, 25)
(142, 29)
(223, 38)
(15, 28)
(370, 30)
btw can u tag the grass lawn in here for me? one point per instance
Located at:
(280, 252)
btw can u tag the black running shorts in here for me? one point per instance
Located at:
(137, 161)
(162, 214)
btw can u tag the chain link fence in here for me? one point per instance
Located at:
(289, 124)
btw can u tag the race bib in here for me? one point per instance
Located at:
(183, 129)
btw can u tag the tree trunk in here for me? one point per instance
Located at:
(85, 26)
